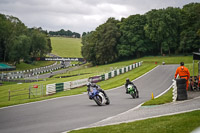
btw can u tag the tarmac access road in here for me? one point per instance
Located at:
(72, 112)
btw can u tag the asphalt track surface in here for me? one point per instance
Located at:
(71, 112)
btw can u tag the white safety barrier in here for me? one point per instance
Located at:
(174, 96)
(67, 86)
(113, 74)
(130, 66)
(50, 89)
(106, 76)
(78, 83)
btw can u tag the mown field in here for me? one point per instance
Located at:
(66, 47)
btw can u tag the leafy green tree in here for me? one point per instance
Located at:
(163, 28)
(5, 31)
(133, 40)
(153, 30)
(100, 46)
(171, 32)
(11, 27)
(39, 45)
(67, 33)
(108, 38)
(190, 39)
(84, 33)
(20, 49)
(89, 42)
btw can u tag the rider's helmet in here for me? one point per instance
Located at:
(127, 80)
(88, 84)
(93, 85)
(182, 63)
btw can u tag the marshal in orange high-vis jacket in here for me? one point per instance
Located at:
(183, 72)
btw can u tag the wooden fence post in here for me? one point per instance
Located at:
(9, 95)
(29, 93)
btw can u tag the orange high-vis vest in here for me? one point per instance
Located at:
(183, 72)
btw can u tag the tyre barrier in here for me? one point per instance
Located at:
(181, 89)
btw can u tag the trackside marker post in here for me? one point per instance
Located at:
(152, 95)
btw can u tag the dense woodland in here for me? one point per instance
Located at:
(169, 31)
(64, 33)
(17, 42)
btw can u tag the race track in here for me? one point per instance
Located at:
(67, 113)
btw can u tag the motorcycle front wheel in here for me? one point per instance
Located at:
(98, 100)
(133, 95)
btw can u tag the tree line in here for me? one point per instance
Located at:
(64, 33)
(158, 32)
(17, 42)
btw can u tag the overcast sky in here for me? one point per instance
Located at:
(79, 15)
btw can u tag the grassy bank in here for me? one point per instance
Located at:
(66, 47)
(180, 123)
(165, 98)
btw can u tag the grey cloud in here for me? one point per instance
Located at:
(79, 15)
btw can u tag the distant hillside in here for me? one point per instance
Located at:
(66, 47)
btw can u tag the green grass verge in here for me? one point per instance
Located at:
(66, 47)
(180, 123)
(165, 98)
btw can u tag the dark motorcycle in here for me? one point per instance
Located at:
(133, 91)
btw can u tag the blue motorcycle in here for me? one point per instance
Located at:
(98, 97)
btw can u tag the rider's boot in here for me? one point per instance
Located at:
(126, 91)
(90, 97)
(105, 95)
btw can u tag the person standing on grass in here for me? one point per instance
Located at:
(183, 73)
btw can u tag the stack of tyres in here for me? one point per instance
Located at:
(181, 89)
